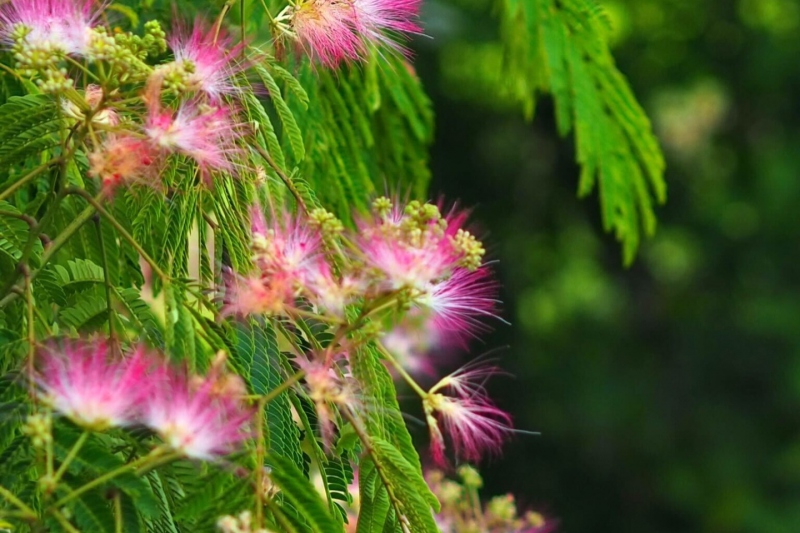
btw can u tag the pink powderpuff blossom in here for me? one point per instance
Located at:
(199, 418)
(62, 25)
(206, 134)
(212, 59)
(376, 17)
(285, 245)
(327, 30)
(407, 265)
(474, 425)
(94, 390)
(458, 303)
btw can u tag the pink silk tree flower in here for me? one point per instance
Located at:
(326, 30)
(205, 134)
(210, 59)
(474, 425)
(458, 303)
(407, 265)
(84, 383)
(284, 245)
(377, 17)
(51, 25)
(199, 418)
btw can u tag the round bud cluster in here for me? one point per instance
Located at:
(471, 249)
(39, 428)
(177, 77)
(30, 59)
(326, 221)
(462, 512)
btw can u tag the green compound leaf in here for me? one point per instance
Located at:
(559, 47)
(302, 495)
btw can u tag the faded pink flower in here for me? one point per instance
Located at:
(327, 30)
(410, 343)
(258, 295)
(326, 389)
(62, 25)
(377, 17)
(124, 160)
(203, 133)
(212, 63)
(200, 418)
(94, 390)
(329, 293)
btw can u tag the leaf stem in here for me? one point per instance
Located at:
(28, 177)
(107, 283)
(73, 452)
(63, 521)
(274, 393)
(55, 245)
(400, 370)
(28, 512)
(142, 461)
(120, 229)
(260, 451)
(281, 174)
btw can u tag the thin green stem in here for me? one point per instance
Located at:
(120, 229)
(400, 370)
(28, 177)
(274, 393)
(218, 24)
(117, 513)
(107, 283)
(54, 246)
(260, 452)
(16, 502)
(73, 452)
(281, 174)
(63, 521)
(168, 458)
(142, 461)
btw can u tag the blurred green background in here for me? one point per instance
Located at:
(668, 393)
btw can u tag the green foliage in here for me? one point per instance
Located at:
(81, 255)
(559, 47)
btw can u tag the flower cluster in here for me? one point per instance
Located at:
(183, 108)
(411, 276)
(199, 417)
(44, 34)
(335, 31)
(462, 512)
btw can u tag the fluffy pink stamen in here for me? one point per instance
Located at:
(205, 134)
(94, 390)
(213, 57)
(326, 30)
(202, 420)
(62, 24)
